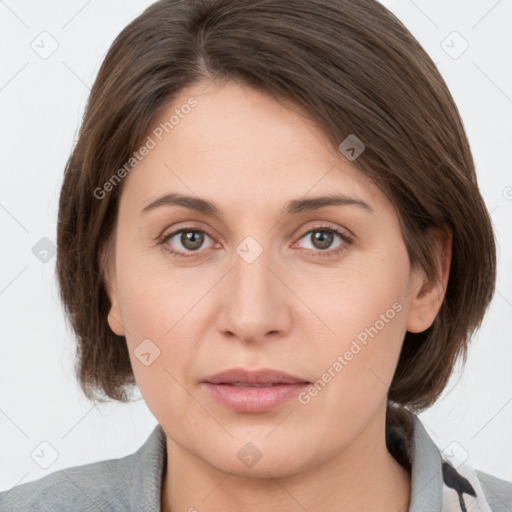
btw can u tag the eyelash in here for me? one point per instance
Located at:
(347, 241)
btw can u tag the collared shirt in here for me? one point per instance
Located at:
(134, 483)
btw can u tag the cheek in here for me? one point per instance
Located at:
(364, 313)
(154, 294)
(366, 292)
(156, 305)
(157, 312)
(163, 320)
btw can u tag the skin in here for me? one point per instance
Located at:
(290, 309)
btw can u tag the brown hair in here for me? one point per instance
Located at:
(355, 69)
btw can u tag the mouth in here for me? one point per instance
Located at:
(253, 391)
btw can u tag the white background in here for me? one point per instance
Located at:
(42, 103)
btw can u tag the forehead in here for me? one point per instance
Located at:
(239, 144)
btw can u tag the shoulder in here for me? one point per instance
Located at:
(86, 487)
(132, 482)
(498, 492)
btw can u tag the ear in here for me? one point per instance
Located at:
(107, 271)
(428, 295)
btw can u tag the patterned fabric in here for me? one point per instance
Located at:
(461, 490)
(442, 482)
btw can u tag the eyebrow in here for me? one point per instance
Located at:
(292, 207)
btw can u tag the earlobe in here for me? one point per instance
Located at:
(114, 317)
(428, 295)
(116, 325)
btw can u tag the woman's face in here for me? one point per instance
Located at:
(259, 285)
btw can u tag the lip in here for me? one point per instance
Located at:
(255, 377)
(253, 391)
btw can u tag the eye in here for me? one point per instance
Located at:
(187, 240)
(322, 239)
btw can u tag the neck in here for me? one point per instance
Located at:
(361, 477)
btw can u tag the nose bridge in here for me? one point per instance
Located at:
(252, 279)
(256, 303)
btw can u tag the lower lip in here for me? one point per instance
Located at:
(257, 399)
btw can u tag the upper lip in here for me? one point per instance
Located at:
(256, 377)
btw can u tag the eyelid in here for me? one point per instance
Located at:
(328, 226)
(346, 236)
(191, 226)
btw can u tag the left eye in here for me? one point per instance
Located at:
(322, 238)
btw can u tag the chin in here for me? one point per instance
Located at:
(271, 468)
(259, 459)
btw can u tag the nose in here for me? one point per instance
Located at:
(258, 303)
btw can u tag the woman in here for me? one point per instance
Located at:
(271, 224)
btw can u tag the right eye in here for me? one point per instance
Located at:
(190, 239)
